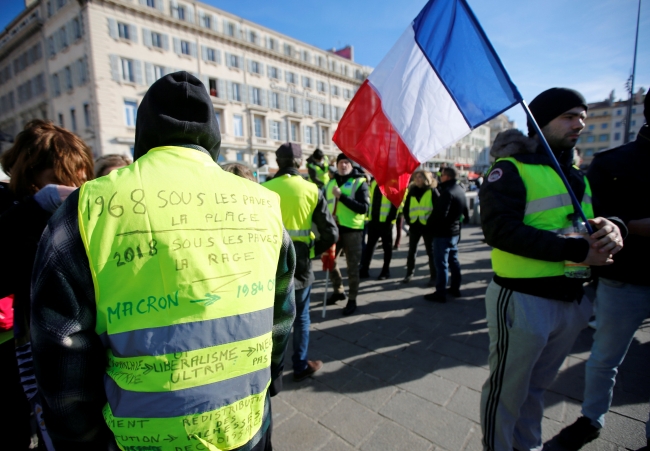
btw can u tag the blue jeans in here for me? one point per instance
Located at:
(445, 256)
(301, 330)
(622, 307)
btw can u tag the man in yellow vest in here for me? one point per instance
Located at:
(382, 215)
(535, 311)
(163, 294)
(348, 200)
(318, 168)
(302, 204)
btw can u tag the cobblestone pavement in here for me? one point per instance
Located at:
(405, 374)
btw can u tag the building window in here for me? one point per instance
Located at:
(275, 130)
(87, 121)
(305, 56)
(292, 105)
(238, 125)
(218, 114)
(320, 86)
(130, 112)
(603, 137)
(324, 136)
(61, 121)
(185, 48)
(181, 12)
(233, 61)
(335, 90)
(258, 125)
(633, 123)
(291, 78)
(322, 110)
(617, 136)
(306, 82)
(151, 3)
(230, 29)
(603, 126)
(255, 67)
(127, 70)
(158, 72)
(252, 37)
(272, 44)
(236, 92)
(589, 152)
(618, 124)
(256, 96)
(347, 94)
(156, 39)
(591, 127)
(76, 28)
(73, 119)
(275, 100)
(293, 130)
(619, 112)
(68, 78)
(308, 110)
(273, 73)
(123, 31)
(591, 139)
(288, 49)
(50, 46)
(211, 54)
(214, 87)
(207, 21)
(63, 38)
(309, 131)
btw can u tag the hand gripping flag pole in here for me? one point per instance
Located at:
(441, 80)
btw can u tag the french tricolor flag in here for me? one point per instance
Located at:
(439, 81)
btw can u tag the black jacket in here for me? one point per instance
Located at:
(328, 234)
(361, 201)
(312, 172)
(503, 203)
(619, 189)
(450, 208)
(377, 197)
(416, 192)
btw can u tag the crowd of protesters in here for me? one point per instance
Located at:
(68, 368)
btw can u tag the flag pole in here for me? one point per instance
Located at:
(556, 166)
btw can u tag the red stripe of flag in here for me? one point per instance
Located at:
(366, 136)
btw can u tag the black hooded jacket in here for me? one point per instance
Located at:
(503, 204)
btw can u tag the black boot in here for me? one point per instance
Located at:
(350, 308)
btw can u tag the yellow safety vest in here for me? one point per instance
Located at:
(384, 208)
(322, 174)
(422, 209)
(548, 206)
(344, 215)
(183, 258)
(298, 200)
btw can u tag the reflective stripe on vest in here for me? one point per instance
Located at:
(183, 257)
(422, 209)
(548, 206)
(345, 216)
(298, 200)
(385, 206)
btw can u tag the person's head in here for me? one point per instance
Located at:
(289, 155)
(44, 153)
(422, 178)
(239, 170)
(318, 155)
(560, 114)
(176, 110)
(343, 164)
(448, 174)
(106, 164)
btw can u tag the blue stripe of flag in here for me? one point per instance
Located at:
(453, 41)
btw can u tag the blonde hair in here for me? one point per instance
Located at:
(429, 180)
(109, 161)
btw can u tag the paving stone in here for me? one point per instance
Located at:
(335, 444)
(345, 331)
(310, 396)
(393, 437)
(427, 385)
(474, 441)
(380, 343)
(468, 354)
(280, 409)
(369, 391)
(378, 365)
(442, 427)
(335, 347)
(418, 355)
(466, 402)
(454, 370)
(624, 431)
(336, 374)
(351, 421)
(299, 434)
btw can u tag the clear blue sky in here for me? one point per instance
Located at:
(587, 46)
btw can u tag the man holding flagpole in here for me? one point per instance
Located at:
(535, 311)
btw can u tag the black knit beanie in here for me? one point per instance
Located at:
(176, 110)
(342, 156)
(551, 103)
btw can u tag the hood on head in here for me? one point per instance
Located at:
(512, 142)
(176, 110)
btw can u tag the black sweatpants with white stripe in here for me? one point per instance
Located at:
(530, 337)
